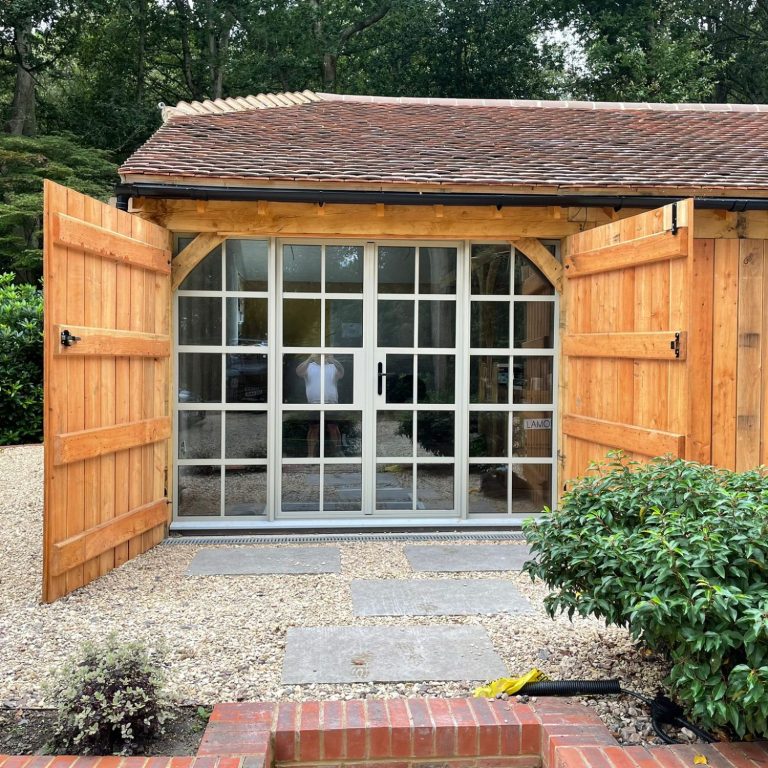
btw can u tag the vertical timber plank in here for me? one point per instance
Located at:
(764, 406)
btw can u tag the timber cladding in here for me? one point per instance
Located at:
(107, 423)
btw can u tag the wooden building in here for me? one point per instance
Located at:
(318, 311)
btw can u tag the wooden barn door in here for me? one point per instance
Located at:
(636, 352)
(107, 356)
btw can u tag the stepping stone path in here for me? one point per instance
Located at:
(467, 557)
(436, 597)
(239, 561)
(389, 654)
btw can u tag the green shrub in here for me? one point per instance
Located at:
(677, 552)
(21, 362)
(110, 700)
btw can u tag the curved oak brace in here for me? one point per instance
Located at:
(543, 259)
(192, 255)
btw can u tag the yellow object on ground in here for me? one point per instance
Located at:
(508, 685)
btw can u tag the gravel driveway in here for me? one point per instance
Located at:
(225, 636)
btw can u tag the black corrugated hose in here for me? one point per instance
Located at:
(663, 710)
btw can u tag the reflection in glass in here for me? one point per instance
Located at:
(397, 269)
(344, 268)
(199, 491)
(394, 433)
(247, 322)
(199, 320)
(488, 379)
(395, 323)
(245, 491)
(343, 432)
(301, 268)
(489, 324)
(534, 321)
(300, 487)
(301, 322)
(532, 433)
(398, 370)
(532, 382)
(437, 323)
(199, 434)
(437, 270)
(488, 433)
(301, 434)
(245, 435)
(488, 489)
(434, 486)
(318, 378)
(247, 265)
(489, 267)
(206, 276)
(343, 323)
(342, 487)
(199, 377)
(529, 279)
(247, 377)
(437, 378)
(531, 488)
(435, 433)
(394, 486)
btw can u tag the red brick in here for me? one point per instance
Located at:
(354, 718)
(176, 762)
(379, 742)
(16, 761)
(524, 713)
(488, 732)
(200, 762)
(641, 757)
(222, 739)
(685, 753)
(44, 760)
(332, 724)
(158, 762)
(259, 761)
(423, 742)
(570, 757)
(618, 757)
(509, 728)
(466, 728)
(595, 757)
(285, 732)
(400, 728)
(308, 746)
(245, 712)
(516, 761)
(112, 761)
(227, 762)
(743, 751)
(445, 727)
(90, 762)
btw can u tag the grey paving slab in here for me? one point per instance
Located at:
(389, 654)
(239, 561)
(436, 597)
(456, 558)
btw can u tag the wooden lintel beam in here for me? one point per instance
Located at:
(192, 255)
(628, 437)
(650, 345)
(543, 259)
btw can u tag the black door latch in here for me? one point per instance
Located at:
(67, 339)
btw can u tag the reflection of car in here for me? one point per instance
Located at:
(247, 378)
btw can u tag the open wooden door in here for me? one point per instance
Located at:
(107, 356)
(636, 357)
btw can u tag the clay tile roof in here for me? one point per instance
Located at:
(315, 137)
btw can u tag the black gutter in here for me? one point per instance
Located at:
(359, 197)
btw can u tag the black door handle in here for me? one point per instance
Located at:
(380, 377)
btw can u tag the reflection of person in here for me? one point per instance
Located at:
(328, 373)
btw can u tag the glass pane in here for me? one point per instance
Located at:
(301, 487)
(344, 268)
(435, 433)
(199, 377)
(488, 434)
(199, 435)
(531, 488)
(489, 324)
(488, 489)
(301, 268)
(301, 322)
(247, 377)
(301, 434)
(488, 379)
(343, 433)
(245, 435)
(182, 241)
(394, 486)
(529, 279)
(199, 491)
(206, 276)
(437, 270)
(318, 378)
(245, 491)
(342, 487)
(199, 320)
(437, 379)
(434, 486)
(490, 269)
(395, 323)
(534, 324)
(437, 323)
(343, 323)
(532, 433)
(399, 378)
(532, 379)
(397, 269)
(247, 322)
(247, 265)
(394, 433)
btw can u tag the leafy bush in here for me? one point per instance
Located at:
(111, 700)
(21, 362)
(677, 552)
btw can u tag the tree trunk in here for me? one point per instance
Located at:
(22, 121)
(329, 71)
